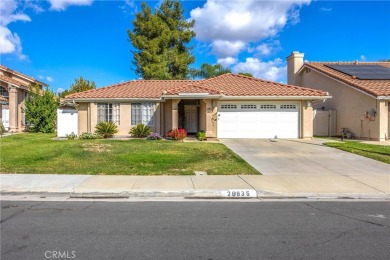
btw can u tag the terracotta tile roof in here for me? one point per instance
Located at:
(227, 84)
(373, 87)
(132, 89)
(12, 81)
(239, 85)
(21, 74)
(196, 87)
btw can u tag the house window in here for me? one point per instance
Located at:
(3, 92)
(248, 106)
(267, 106)
(142, 113)
(108, 112)
(229, 106)
(288, 107)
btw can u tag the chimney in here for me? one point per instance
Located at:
(294, 63)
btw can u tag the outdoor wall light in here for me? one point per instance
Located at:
(209, 110)
(308, 104)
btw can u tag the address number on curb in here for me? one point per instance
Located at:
(240, 193)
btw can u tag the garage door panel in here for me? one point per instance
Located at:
(278, 120)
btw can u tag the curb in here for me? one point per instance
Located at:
(197, 194)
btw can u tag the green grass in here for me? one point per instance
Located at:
(39, 153)
(376, 152)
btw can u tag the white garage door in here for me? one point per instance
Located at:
(258, 120)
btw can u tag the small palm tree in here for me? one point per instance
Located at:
(140, 131)
(106, 129)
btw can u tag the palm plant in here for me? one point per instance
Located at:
(106, 129)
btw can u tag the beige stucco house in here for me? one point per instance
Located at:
(227, 106)
(13, 90)
(360, 92)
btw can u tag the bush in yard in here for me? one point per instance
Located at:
(154, 136)
(40, 108)
(106, 129)
(86, 135)
(2, 129)
(140, 131)
(201, 135)
(71, 136)
(177, 134)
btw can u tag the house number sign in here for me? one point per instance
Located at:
(239, 193)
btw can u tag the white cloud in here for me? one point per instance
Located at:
(59, 90)
(46, 78)
(271, 70)
(362, 58)
(231, 26)
(227, 48)
(61, 5)
(226, 62)
(266, 49)
(249, 20)
(10, 42)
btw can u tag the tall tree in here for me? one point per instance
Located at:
(79, 85)
(161, 41)
(41, 110)
(209, 71)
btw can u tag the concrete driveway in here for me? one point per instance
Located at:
(302, 157)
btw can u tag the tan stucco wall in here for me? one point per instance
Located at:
(202, 115)
(83, 117)
(351, 106)
(306, 120)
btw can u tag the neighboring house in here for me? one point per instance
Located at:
(13, 90)
(227, 106)
(360, 92)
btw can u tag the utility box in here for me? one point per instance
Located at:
(324, 123)
(67, 121)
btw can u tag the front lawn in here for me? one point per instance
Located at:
(376, 152)
(39, 153)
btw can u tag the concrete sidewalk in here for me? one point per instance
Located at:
(370, 186)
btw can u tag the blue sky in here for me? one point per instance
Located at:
(57, 41)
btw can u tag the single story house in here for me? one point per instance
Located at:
(13, 91)
(360, 92)
(227, 106)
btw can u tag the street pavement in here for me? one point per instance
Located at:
(195, 230)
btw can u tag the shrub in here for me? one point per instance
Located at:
(177, 134)
(89, 136)
(71, 136)
(2, 129)
(106, 129)
(201, 135)
(140, 131)
(154, 136)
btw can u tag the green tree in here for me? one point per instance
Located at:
(207, 71)
(41, 110)
(245, 74)
(161, 41)
(79, 85)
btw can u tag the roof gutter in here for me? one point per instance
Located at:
(383, 97)
(89, 100)
(275, 97)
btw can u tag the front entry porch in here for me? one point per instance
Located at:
(191, 114)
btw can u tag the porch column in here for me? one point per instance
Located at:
(175, 113)
(381, 119)
(13, 108)
(307, 120)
